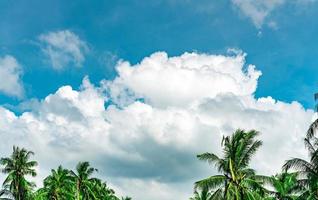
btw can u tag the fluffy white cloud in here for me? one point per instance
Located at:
(63, 48)
(10, 74)
(180, 81)
(162, 112)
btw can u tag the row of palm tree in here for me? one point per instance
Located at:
(61, 184)
(237, 181)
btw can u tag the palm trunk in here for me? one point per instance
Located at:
(77, 191)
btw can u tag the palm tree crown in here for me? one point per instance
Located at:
(17, 167)
(83, 180)
(307, 169)
(58, 185)
(284, 186)
(204, 194)
(236, 181)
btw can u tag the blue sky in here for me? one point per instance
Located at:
(111, 82)
(131, 30)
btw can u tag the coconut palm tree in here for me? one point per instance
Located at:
(102, 191)
(236, 180)
(311, 139)
(311, 132)
(59, 185)
(284, 186)
(307, 169)
(40, 194)
(84, 183)
(17, 167)
(204, 194)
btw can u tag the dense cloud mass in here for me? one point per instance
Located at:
(144, 128)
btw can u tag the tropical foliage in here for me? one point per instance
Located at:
(17, 167)
(61, 184)
(238, 181)
(235, 180)
(284, 186)
(308, 169)
(204, 194)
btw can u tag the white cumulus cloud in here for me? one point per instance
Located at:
(182, 80)
(10, 75)
(161, 113)
(63, 48)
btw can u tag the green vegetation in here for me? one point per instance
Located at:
(237, 181)
(61, 184)
(17, 167)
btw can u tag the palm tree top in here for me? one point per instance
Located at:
(84, 171)
(236, 179)
(18, 166)
(237, 151)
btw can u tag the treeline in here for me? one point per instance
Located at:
(238, 181)
(61, 184)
